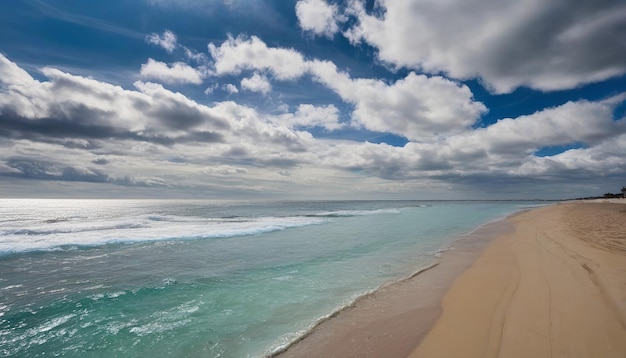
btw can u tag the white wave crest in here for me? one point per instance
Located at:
(70, 234)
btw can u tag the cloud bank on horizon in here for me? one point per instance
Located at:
(314, 99)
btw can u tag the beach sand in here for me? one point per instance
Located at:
(555, 287)
(551, 284)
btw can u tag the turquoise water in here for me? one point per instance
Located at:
(133, 278)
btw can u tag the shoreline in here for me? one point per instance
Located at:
(546, 281)
(365, 329)
(278, 352)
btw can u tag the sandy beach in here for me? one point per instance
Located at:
(555, 287)
(551, 282)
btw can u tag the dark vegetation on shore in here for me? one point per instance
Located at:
(608, 195)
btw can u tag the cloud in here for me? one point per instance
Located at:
(503, 154)
(208, 7)
(509, 146)
(73, 107)
(168, 40)
(243, 53)
(230, 88)
(176, 111)
(40, 170)
(61, 129)
(225, 170)
(57, 13)
(74, 129)
(606, 158)
(318, 17)
(74, 122)
(12, 76)
(573, 122)
(546, 45)
(211, 88)
(100, 161)
(256, 83)
(309, 116)
(415, 107)
(69, 106)
(325, 116)
(178, 73)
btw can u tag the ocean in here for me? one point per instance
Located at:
(167, 278)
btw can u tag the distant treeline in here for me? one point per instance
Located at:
(608, 195)
(613, 196)
(618, 195)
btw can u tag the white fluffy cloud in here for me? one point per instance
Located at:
(547, 45)
(318, 17)
(256, 83)
(510, 144)
(309, 116)
(573, 122)
(230, 88)
(168, 40)
(416, 107)
(242, 53)
(177, 73)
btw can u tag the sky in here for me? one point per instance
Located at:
(312, 99)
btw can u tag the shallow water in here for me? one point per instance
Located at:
(99, 278)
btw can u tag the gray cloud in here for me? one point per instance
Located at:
(100, 161)
(64, 126)
(86, 107)
(74, 125)
(546, 45)
(33, 169)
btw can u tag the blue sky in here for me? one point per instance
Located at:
(312, 99)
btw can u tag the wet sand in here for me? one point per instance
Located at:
(549, 282)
